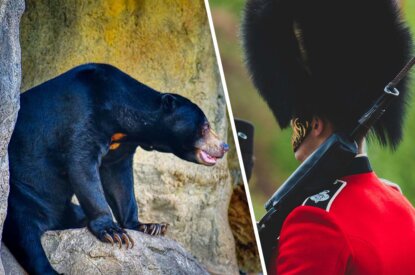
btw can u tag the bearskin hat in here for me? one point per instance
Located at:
(328, 58)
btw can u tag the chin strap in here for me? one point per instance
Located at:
(301, 129)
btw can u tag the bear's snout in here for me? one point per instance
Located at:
(210, 149)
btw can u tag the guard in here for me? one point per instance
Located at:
(320, 65)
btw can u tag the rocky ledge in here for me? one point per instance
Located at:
(79, 252)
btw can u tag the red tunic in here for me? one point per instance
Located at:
(365, 227)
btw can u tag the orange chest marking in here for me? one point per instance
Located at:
(116, 137)
(114, 146)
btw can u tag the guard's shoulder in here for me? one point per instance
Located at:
(326, 197)
(392, 184)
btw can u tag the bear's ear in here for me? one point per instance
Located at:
(169, 102)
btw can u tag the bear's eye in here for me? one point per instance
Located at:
(205, 129)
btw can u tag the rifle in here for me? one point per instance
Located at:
(324, 166)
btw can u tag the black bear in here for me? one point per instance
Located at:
(76, 135)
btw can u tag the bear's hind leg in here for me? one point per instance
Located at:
(23, 241)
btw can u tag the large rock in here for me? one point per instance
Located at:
(79, 252)
(167, 45)
(10, 77)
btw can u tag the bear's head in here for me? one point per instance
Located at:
(185, 131)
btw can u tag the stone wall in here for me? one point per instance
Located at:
(10, 76)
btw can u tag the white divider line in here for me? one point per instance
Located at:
(235, 134)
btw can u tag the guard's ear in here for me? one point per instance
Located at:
(168, 102)
(321, 127)
(318, 125)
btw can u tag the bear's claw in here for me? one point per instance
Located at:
(108, 238)
(128, 240)
(120, 238)
(153, 229)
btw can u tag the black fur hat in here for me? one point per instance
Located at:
(328, 58)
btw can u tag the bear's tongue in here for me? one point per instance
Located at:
(207, 158)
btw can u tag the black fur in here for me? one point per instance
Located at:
(327, 58)
(60, 147)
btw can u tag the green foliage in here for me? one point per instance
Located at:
(234, 6)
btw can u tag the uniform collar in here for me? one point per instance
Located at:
(359, 165)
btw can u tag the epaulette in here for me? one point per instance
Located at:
(392, 184)
(325, 198)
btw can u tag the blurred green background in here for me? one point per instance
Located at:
(274, 160)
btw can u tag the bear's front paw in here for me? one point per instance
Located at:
(153, 229)
(108, 231)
